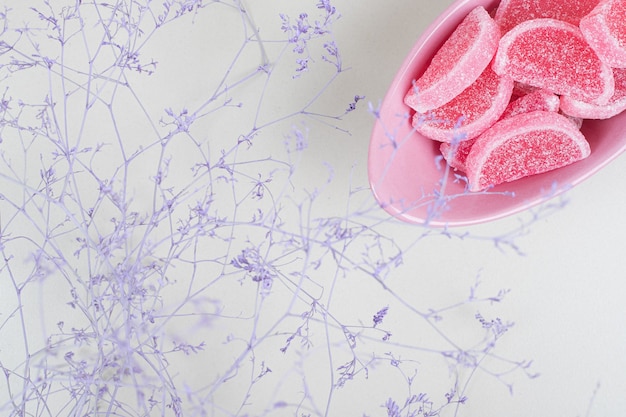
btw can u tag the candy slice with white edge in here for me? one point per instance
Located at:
(616, 104)
(605, 30)
(470, 113)
(539, 99)
(577, 121)
(553, 55)
(458, 63)
(522, 145)
(456, 154)
(510, 13)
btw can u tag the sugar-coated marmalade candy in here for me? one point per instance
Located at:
(522, 115)
(458, 63)
(523, 145)
(605, 30)
(470, 113)
(539, 99)
(510, 13)
(521, 89)
(455, 154)
(616, 104)
(553, 55)
(577, 121)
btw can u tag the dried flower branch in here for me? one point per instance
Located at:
(159, 261)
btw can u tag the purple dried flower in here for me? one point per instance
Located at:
(143, 232)
(325, 4)
(352, 106)
(380, 314)
(497, 327)
(303, 64)
(393, 409)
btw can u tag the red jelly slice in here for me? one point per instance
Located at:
(521, 89)
(470, 113)
(605, 30)
(537, 100)
(523, 145)
(510, 13)
(616, 104)
(456, 153)
(553, 55)
(458, 63)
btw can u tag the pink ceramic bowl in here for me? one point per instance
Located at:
(410, 185)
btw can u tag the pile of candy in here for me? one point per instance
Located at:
(507, 93)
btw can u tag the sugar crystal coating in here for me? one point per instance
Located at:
(605, 31)
(456, 153)
(458, 63)
(470, 113)
(522, 145)
(553, 55)
(540, 59)
(616, 104)
(510, 13)
(576, 121)
(521, 89)
(539, 99)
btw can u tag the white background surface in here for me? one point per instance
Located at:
(567, 289)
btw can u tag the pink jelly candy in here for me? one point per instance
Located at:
(523, 145)
(470, 113)
(605, 30)
(616, 104)
(510, 13)
(577, 121)
(458, 63)
(539, 99)
(521, 89)
(455, 154)
(553, 55)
